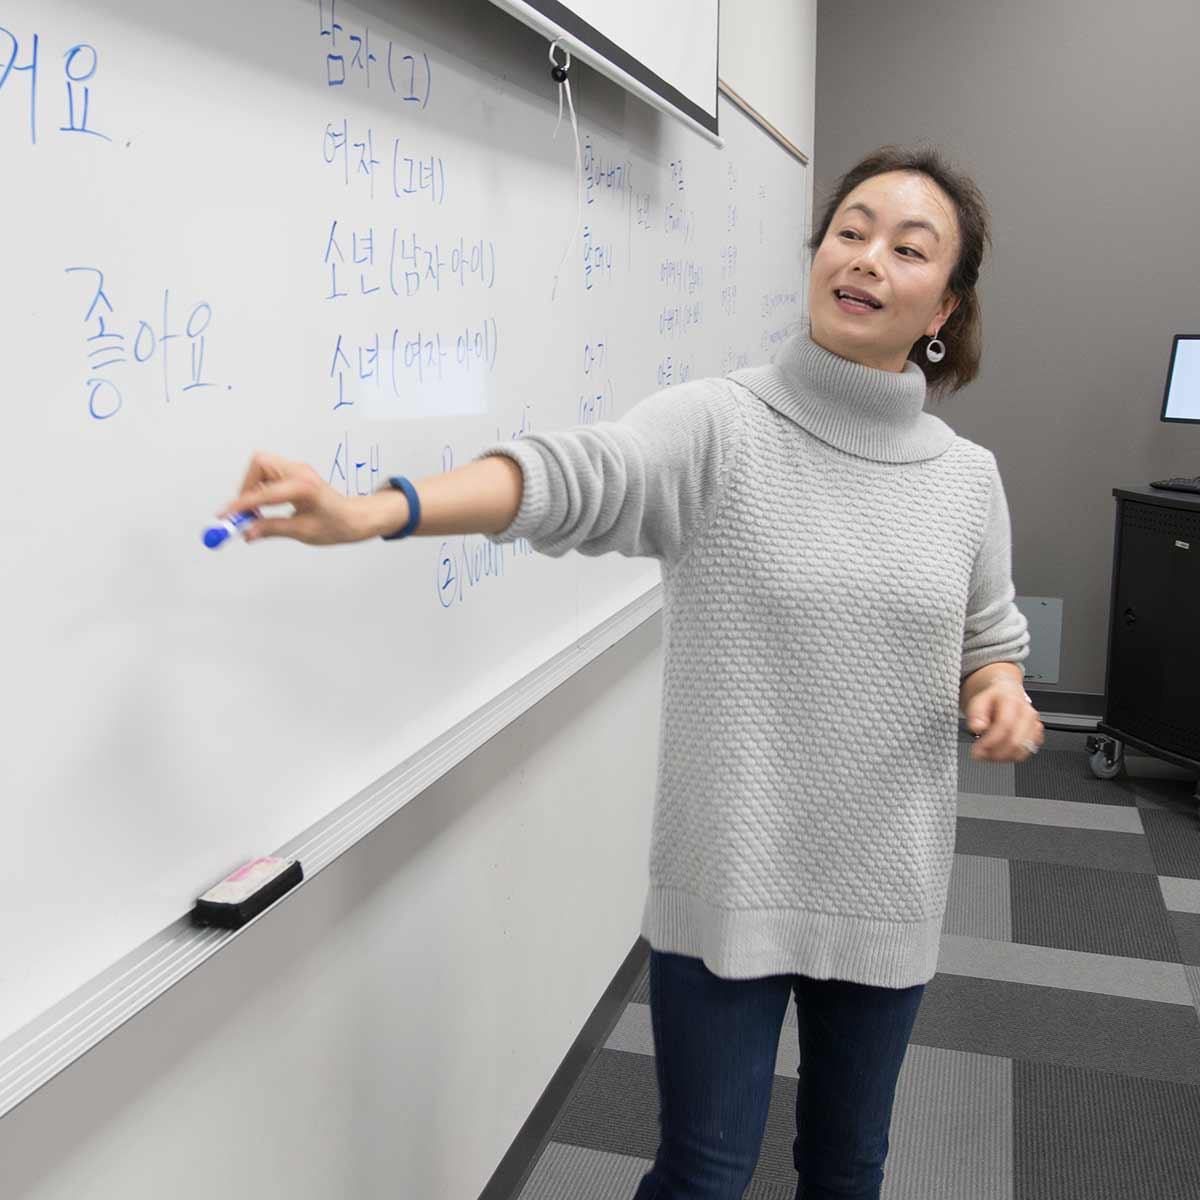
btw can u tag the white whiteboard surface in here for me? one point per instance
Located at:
(250, 181)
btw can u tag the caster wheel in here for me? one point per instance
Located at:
(1102, 768)
(1107, 760)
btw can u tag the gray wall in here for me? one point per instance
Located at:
(1080, 121)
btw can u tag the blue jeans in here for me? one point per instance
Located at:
(715, 1041)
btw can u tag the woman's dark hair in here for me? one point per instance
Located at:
(962, 333)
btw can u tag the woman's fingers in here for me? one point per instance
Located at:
(267, 527)
(266, 467)
(1004, 710)
(320, 516)
(1005, 739)
(255, 472)
(298, 488)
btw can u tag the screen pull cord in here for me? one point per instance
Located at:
(560, 73)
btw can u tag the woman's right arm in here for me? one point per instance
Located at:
(481, 497)
(643, 485)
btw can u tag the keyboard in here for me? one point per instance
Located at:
(1179, 483)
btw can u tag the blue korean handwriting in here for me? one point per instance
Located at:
(596, 395)
(597, 404)
(415, 76)
(361, 360)
(351, 57)
(526, 426)
(414, 265)
(351, 152)
(733, 360)
(365, 161)
(194, 330)
(597, 259)
(643, 208)
(681, 275)
(110, 348)
(673, 370)
(595, 356)
(412, 176)
(337, 146)
(81, 63)
(773, 300)
(360, 266)
(679, 221)
(773, 338)
(476, 346)
(676, 319)
(354, 258)
(408, 357)
(354, 155)
(104, 395)
(355, 476)
(11, 70)
(601, 176)
(20, 65)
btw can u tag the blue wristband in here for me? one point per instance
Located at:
(414, 509)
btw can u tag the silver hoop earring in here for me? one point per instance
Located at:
(935, 356)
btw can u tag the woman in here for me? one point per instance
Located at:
(837, 585)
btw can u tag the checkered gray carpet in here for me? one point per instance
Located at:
(1056, 1054)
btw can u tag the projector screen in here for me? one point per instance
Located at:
(666, 47)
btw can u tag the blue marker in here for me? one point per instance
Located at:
(219, 534)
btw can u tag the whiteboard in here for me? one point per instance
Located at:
(332, 235)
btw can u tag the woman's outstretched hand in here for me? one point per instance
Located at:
(322, 517)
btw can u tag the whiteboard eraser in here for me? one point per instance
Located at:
(240, 897)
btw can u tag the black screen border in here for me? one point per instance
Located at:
(577, 27)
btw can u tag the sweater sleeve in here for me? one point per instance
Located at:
(996, 630)
(643, 485)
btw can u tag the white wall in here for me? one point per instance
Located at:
(769, 57)
(389, 1029)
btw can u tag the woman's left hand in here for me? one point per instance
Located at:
(1004, 717)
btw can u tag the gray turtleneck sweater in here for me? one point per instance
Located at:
(834, 561)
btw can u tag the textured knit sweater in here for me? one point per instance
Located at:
(834, 561)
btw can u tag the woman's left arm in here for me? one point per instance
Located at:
(974, 683)
(995, 642)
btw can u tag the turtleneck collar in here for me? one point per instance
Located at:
(862, 410)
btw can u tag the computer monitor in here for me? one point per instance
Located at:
(1181, 398)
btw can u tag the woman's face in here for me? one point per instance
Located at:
(906, 268)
